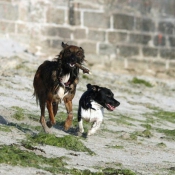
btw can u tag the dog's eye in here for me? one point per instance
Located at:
(68, 52)
(78, 54)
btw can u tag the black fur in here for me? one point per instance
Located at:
(51, 77)
(101, 95)
(61, 68)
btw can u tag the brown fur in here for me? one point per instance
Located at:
(47, 82)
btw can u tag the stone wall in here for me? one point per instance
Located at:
(114, 29)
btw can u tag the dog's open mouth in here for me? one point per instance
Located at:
(110, 107)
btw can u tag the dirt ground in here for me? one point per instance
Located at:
(122, 140)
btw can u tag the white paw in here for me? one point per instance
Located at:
(81, 130)
(90, 132)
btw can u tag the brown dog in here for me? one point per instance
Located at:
(55, 81)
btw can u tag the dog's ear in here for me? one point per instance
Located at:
(64, 45)
(96, 88)
(82, 49)
(93, 87)
(89, 86)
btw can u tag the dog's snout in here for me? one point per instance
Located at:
(73, 58)
(118, 103)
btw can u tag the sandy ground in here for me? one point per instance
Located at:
(143, 156)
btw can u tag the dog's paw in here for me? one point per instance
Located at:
(49, 124)
(67, 125)
(46, 129)
(90, 132)
(81, 130)
(68, 122)
(79, 133)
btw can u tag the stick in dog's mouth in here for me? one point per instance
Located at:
(85, 70)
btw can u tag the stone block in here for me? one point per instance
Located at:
(96, 35)
(56, 16)
(166, 27)
(47, 42)
(90, 4)
(77, 18)
(23, 29)
(172, 41)
(122, 21)
(22, 38)
(127, 51)
(33, 12)
(115, 37)
(107, 49)
(56, 43)
(79, 33)
(89, 47)
(7, 27)
(58, 3)
(167, 53)
(145, 24)
(8, 11)
(96, 20)
(159, 40)
(74, 17)
(148, 51)
(139, 38)
(33, 30)
(61, 32)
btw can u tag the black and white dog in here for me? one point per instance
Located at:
(92, 104)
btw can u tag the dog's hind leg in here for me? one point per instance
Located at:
(80, 121)
(42, 118)
(51, 114)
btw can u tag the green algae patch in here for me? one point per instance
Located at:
(165, 115)
(110, 171)
(106, 171)
(13, 155)
(118, 147)
(5, 128)
(170, 134)
(68, 142)
(161, 145)
(136, 80)
(19, 113)
(147, 126)
(146, 134)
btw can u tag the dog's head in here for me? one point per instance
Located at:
(103, 96)
(70, 55)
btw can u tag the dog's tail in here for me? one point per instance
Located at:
(36, 95)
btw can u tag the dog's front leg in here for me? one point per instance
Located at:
(51, 114)
(80, 124)
(55, 107)
(95, 127)
(68, 105)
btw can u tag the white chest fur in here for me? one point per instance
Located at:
(93, 115)
(65, 78)
(61, 91)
